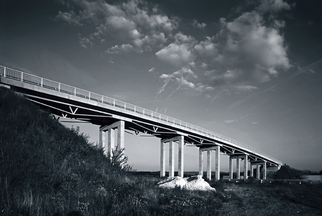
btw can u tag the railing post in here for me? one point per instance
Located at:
(4, 71)
(113, 102)
(102, 99)
(21, 78)
(41, 82)
(59, 87)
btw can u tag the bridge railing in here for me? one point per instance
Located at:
(71, 90)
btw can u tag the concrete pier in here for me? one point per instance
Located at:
(246, 167)
(120, 134)
(251, 171)
(180, 140)
(109, 145)
(110, 141)
(101, 137)
(200, 162)
(180, 156)
(264, 170)
(171, 159)
(209, 164)
(162, 159)
(217, 163)
(258, 171)
(231, 171)
(238, 168)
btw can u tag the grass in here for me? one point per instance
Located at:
(47, 169)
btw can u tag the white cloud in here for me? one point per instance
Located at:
(68, 17)
(273, 6)
(196, 24)
(245, 88)
(151, 70)
(179, 52)
(131, 22)
(124, 48)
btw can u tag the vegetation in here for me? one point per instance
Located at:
(48, 169)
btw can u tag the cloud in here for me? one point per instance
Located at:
(124, 48)
(151, 70)
(246, 51)
(231, 121)
(179, 52)
(131, 22)
(243, 88)
(184, 79)
(198, 25)
(273, 6)
(69, 17)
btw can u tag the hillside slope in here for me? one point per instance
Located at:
(47, 169)
(44, 166)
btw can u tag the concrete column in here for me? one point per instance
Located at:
(200, 162)
(264, 170)
(209, 164)
(101, 142)
(120, 134)
(110, 142)
(180, 157)
(162, 159)
(246, 167)
(231, 171)
(238, 168)
(258, 171)
(217, 163)
(251, 169)
(171, 159)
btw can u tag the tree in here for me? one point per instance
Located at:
(118, 159)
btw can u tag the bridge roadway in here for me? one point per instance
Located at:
(115, 116)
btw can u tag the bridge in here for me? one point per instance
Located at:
(116, 117)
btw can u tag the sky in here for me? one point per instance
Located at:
(246, 69)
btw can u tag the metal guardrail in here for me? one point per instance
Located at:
(60, 87)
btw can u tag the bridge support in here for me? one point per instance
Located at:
(209, 164)
(217, 161)
(231, 171)
(258, 171)
(200, 162)
(180, 140)
(110, 142)
(108, 148)
(259, 164)
(251, 173)
(238, 158)
(162, 159)
(238, 168)
(171, 159)
(102, 135)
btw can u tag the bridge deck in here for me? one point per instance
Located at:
(72, 102)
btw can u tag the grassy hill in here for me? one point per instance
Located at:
(48, 169)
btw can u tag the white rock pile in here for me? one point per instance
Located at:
(188, 183)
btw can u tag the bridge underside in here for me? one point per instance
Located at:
(109, 117)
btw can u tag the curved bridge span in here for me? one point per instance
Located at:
(115, 116)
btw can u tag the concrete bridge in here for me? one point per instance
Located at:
(115, 117)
